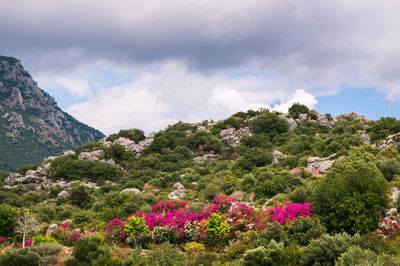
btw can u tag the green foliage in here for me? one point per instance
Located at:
(43, 239)
(68, 168)
(217, 227)
(91, 251)
(356, 256)
(325, 250)
(296, 109)
(305, 229)
(383, 127)
(7, 220)
(22, 169)
(269, 123)
(136, 226)
(266, 189)
(134, 134)
(80, 196)
(269, 255)
(351, 197)
(20, 257)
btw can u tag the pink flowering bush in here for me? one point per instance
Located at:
(115, 231)
(290, 211)
(28, 243)
(167, 206)
(66, 234)
(389, 228)
(172, 222)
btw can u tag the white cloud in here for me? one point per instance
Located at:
(299, 96)
(154, 100)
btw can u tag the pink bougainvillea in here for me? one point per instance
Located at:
(167, 206)
(115, 230)
(290, 211)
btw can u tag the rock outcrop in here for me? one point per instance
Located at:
(319, 166)
(179, 191)
(130, 145)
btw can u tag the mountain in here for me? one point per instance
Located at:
(32, 126)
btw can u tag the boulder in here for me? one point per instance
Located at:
(276, 155)
(50, 229)
(227, 132)
(179, 187)
(130, 191)
(68, 152)
(176, 195)
(238, 195)
(364, 137)
(11, 177)
(204, 158)
(63, 194)
(231, 140)
(319, 166)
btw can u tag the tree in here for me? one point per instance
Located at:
(79, 196)
(26, 223)
(298, 109)
(269, 123)
(352, 196)
(7, 220)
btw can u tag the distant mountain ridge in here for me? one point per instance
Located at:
(32, 126)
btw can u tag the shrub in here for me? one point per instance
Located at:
(137, 230)
(80, 196)
(325, 250)
(305, 229)
(269, 255)
(352, 196)
(269, 123)
(296, 109)
(356, 256)
(134, 134)
(7, 219)
(217, 227)
(20, 257)
(48, 251)
(43, 239)
(66, 234)
(91, 251)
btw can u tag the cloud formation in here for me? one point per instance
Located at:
(285, 46)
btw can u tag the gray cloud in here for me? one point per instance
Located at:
(308, 44)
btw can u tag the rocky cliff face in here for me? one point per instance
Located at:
(32, 126)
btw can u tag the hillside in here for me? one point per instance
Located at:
(258, 188)
(32, 126)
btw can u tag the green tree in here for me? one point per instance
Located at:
(79, 196)
(7, 220)
(298, 109)
(269, 123)
(352, 196)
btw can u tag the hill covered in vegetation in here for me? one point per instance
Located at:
(32, 126)
(258, 188)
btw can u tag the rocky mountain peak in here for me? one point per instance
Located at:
(30, 118)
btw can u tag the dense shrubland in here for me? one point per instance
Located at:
(241, 206)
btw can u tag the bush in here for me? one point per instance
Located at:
(269, 123)
(134, 134)
(49, 252)
(356, 256)
(20, 257)
(217, 227)
(325, 250)
(352, 196)
(269, 255)
(24, 168)
(43, 239)
(91, 251)
(296, 109)
(7, 220)
(79, 196)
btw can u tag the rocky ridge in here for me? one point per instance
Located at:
(32, 126)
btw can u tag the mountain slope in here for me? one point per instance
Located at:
(32, 126)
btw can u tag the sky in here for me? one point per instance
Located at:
(147, 64)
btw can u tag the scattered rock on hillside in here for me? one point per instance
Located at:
(276, 155)
(364, 137)
(353, 116)
(130, 191)
(63, 194)
(319, 166)
(91, 156)
(204, 158)
(391, 139)
(50, 229)
(130, 145)
(179, 191)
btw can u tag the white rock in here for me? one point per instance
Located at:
(63, 194)
(130, 191)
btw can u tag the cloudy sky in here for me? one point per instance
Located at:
(147, 64)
